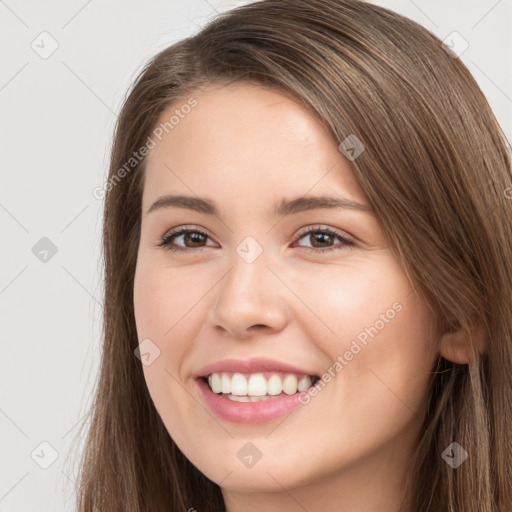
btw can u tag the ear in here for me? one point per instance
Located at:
(461, 345)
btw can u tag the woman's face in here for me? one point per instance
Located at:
(256, 285)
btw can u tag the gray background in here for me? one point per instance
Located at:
(58, 113)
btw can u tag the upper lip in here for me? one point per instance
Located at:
(256, 365)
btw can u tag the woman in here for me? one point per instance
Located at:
(248, 366)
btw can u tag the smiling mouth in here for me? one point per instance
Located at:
(257, 387)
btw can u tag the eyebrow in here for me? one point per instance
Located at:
(281, 209)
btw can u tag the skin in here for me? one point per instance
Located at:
(245, 148)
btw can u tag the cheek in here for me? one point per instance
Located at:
(346, 302)
(161, 314)
(378, 334)
(164, 301)
(382, 389)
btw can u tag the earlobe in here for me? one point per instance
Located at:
(461, 345)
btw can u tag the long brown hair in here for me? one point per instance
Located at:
(437, 171)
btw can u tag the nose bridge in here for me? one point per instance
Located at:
(249, 294)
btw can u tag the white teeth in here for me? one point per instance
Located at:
(247, 398)
(274, 385)
(215, 383)
(226, 383)
(239, 398)
(290, 384)
(238, 385)
(304, 383)
(256, 387)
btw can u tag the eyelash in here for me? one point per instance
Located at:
(167, 239)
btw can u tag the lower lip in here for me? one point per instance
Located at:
(248, 412)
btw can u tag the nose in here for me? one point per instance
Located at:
(250, 300)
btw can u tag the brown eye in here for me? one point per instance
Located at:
(321, 239)
(194, 238)
(184, 239)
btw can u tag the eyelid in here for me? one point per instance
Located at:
(324, 227)
(186, 227)
(303, 231)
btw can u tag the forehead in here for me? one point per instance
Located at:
(246, 140)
